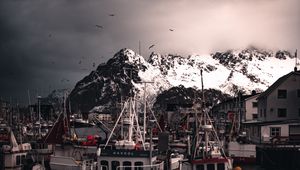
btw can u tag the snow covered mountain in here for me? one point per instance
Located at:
(229, 72)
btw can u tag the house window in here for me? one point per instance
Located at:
(254, 104)
(210, 166)
(200, 167)
(260, 113)
(138, 166)
(104, 165)
(254, 116)
(275, 131)
(282, 94)
(265, 113)
(281, 112)
(23, 159)
(18, 160)
(299, 112)
(127, 165)
(220, 166)
(115, 164)
(298, 92)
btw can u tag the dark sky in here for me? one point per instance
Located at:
(46, 45)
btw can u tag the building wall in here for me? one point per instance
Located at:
(106, 117)
(262, 133)
(4, 110)
(262, 106)
(230, 106)
(291, 103)
(265, 131)
(250, 110)
(253, 133)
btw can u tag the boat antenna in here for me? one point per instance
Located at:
(296, 63)
(140, 51)
(202, 88)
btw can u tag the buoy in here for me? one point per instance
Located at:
(137, 146)
(237, 168)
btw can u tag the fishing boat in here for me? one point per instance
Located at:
(69, 152)
(78, 121)
(130, 149)
(12, 154)
(207, 150)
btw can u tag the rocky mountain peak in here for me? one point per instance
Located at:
(229, 71)
(127, 57)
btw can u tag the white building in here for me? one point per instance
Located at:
(278, 112)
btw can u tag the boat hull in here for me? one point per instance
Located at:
(111, 159)
(244, 160)
(212, 163)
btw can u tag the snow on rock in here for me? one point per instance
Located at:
(229, 71)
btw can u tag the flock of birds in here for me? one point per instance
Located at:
(94, 64)
(151, 46)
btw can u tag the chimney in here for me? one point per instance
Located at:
(295, 69)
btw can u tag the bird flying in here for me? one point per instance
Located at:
(171, 29)
(99, 26)
(151, 46)
(111, 15)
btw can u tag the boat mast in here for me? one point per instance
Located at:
(130, 119)
(30, 108)
(204, 115)
(20, 125)
(39, 114)
(130, 128)
(296, 63)
(145, 109)
(239, 112)
(65, 117)
(145, 114)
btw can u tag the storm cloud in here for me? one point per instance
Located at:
(46, 45)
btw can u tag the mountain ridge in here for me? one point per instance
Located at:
(230, 71)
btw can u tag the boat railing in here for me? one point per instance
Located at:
(159, 166)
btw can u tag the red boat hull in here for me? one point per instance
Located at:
(244, 160)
